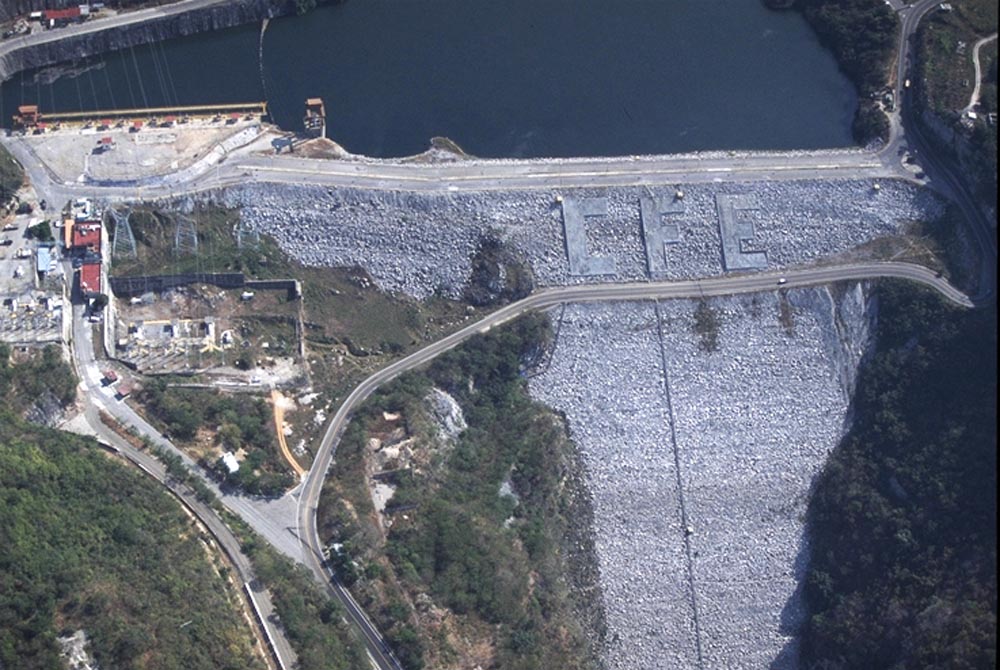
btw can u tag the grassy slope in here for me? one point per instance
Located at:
(351, 328)
(947, 75)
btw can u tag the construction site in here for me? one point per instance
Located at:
(233, 336)
(127, 146)
(124, 145)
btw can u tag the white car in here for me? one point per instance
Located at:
(782, 280)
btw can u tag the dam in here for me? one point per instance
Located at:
(638, 78)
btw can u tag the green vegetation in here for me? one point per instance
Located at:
(41, 232)
(945, 44)
(983, 162)
(28, 381)
(863, 36)
(951, 249)
(313, 621)
(706, 326)
(11, 175)
(945, 82)
(501, 564)
(499, 274)
(988, 70)
(870, 123)
(87, 543)
(218, 251)
(178, 472)
(238, 423)
(903, 562)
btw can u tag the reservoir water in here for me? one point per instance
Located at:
(517, 78)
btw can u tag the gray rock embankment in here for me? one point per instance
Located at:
(726, 443)
(419, 243)
(217, 17)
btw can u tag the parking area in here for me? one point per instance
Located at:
(32, 276)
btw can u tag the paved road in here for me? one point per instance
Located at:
(943, 172)
(99, 398)
(494, 175)
(942, 169)
(313, 483)
(97, 25)
(474, 175)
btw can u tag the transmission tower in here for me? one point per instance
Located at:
(185, 237)
(123, 244)
(246, 237)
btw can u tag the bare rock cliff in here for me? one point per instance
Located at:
(226, 15)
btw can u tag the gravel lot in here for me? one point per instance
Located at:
(420, 243)
(753, 423)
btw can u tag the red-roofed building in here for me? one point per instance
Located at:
(60, 17)
(62, 14)
(86, 236)
(90, 279)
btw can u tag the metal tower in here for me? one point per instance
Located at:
(185, 237)
(123, 243)
(246, 237)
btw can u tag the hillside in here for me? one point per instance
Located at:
(903, 517)
(89, 544)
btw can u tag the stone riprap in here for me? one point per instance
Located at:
(420, 243)
(752, 422)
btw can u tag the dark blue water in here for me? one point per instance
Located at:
(511, 78)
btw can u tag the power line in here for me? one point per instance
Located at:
(185, 237)
(123, 243)
(138, 75)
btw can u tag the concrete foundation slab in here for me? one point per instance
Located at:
(736, 229)
(575, 212)
(660, 217)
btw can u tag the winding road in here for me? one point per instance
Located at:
(290, 522)
(308, 497)
(100, 398)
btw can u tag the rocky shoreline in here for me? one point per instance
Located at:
(218, 17)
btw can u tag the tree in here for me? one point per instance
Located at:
(41, 232)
